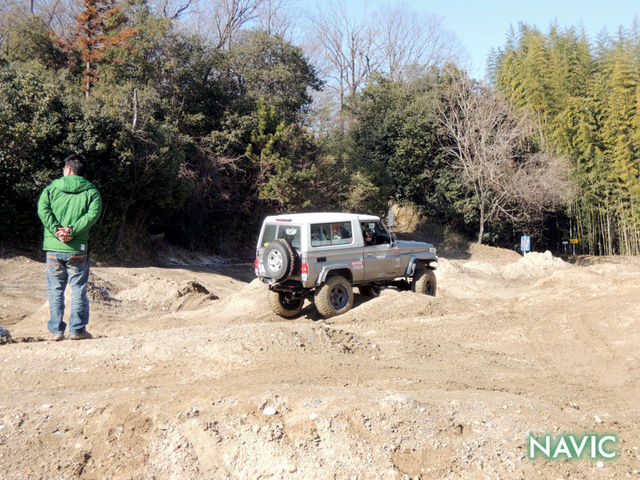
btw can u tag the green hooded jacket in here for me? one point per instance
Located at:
(70, 201)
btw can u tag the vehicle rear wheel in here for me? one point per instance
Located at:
(285, 304)
(279, 260)
(372, 291)
(424, 281)
(335, 297)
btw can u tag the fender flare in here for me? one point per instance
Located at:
(419, 257)
(324, 273)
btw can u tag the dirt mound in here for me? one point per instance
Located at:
(391, 304)
(567, 279)
(100, 290)
(493, 255)
(402, 386)
(534, 265)
(248, 304)
(168, 295)
(470, 281)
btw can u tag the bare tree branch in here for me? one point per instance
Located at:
(411, 42)
(345, 50)
(276, 18)
(229, 16)
(174, 11)
(508, 183)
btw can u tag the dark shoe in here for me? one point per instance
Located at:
(56, 337)
(80, 336)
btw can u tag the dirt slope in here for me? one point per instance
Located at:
(190, 376)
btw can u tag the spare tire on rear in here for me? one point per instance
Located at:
(279, 260)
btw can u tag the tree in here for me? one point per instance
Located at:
(412, 42)
(29, 38)
(34, 118)
(268, 67)
(57, 15)
(344, 49)
(490, 145)
(586, 96)
(98, 26)
(399, 44)
(276, 18)
(220, 21)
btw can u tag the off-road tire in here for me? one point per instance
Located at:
(424, 281)
(279, 260)
(371, 291)
(285, 304)
(334, 297)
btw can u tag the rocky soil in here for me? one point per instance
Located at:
(190, 376)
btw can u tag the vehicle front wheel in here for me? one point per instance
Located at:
(285, 304)
(424, 281)
(335, 297)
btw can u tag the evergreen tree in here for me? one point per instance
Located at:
(100, 24)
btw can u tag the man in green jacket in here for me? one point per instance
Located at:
(68, 207)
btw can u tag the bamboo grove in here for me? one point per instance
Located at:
(586, 96)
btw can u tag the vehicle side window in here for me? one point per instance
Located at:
(337, 233)
(320, 234)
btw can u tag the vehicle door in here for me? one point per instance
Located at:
(381, 261)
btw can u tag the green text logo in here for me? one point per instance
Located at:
(570, 446)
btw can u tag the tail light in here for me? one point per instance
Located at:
(255, 266)
(304, 271)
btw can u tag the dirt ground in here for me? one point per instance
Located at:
(191, 376)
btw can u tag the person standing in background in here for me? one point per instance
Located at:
(68, 208)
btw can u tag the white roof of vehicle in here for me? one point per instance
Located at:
(321, 217)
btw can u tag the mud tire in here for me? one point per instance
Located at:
(424, 281)
(285, 304)
(335, 297)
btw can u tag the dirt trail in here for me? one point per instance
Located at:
(191, 376)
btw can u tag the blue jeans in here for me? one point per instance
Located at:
(63, 267)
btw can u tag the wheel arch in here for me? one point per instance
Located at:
(327, 272)
(420, 259)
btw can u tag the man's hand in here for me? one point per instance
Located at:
(64, 234)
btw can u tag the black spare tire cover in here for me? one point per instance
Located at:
(279, 260)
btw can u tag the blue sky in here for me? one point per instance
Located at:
(482, 25)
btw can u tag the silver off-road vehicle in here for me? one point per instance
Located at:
(321, 256)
